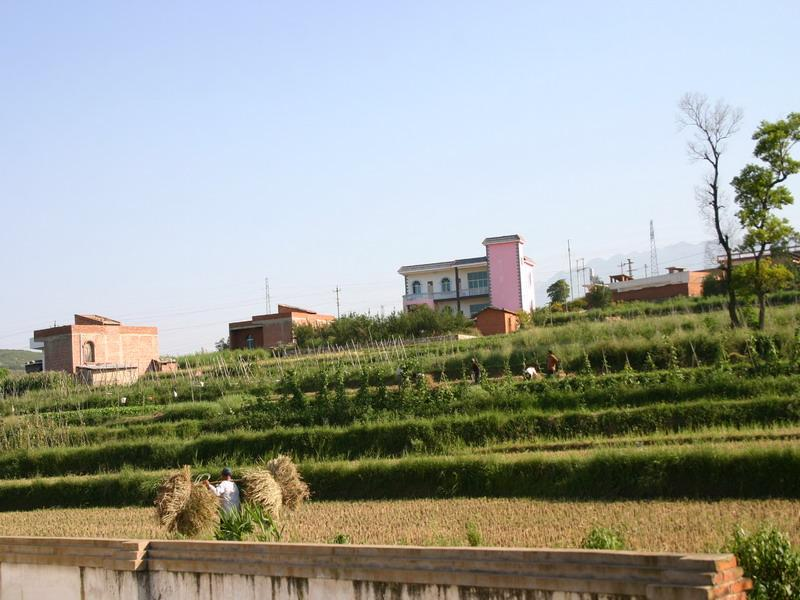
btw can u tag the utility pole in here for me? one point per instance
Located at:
(336, 291)
(569, 261)
(622, 268)
(630, 268)
(645, 271)
(266, 293)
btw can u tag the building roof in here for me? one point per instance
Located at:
(94, 320)
(672, 278)
(460, 262)
(286, 309)
(502, 239)
(106, 367)
(284, 312)
(503, 310)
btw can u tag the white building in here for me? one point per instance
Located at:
(503, 278)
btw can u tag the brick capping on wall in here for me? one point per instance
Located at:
(640, 575)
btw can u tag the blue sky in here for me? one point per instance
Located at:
(158, 160)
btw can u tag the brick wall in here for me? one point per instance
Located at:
(660, 292)
(137, 346)
(239, 337)
(278, 331)
(493, 322)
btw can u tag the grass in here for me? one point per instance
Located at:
(658, 526)
(671, 410)
(762, 469)
(15, 360)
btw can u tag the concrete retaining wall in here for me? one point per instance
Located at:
(82, 569)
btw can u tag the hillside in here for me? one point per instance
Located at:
(16, 359)
(672, 406)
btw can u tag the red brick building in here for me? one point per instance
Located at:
(95, 342)
(277, 329)
(676, 282)
(494, 321)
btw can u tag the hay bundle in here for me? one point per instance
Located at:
(173, 494)
(184, 507)
(200, 514)
(261, 488)
(293, 488)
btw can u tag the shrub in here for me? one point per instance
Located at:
(250, 520)
(474, 537)
(768, 558)
(602, 538)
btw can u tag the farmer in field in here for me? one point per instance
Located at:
(530, 373)
(226, 490)
(476, 371)
(552, 363)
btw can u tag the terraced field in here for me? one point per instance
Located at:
(671, 412)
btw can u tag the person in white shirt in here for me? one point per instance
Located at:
(227, 491)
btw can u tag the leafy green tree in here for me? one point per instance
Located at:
(772, 277)
(558, 291)
(599, 296)
(712, 125)
(714, 284)
(759, 194)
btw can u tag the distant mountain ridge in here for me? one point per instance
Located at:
(15, 359)
(683, 254)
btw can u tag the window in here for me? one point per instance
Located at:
(474, 309)
(478, 280)
(88, 352)
(416, 287)
(445, 284)
(250, 341)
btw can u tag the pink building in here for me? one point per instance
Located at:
(503, 278)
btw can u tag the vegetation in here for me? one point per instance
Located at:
(603, 538)
(768, 558)
(669, 411)
(14, 360)
(359, 328)
(711, 126)
(652, 525)
(558, 292)
(760, 192)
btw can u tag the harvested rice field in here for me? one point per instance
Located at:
(686, 526)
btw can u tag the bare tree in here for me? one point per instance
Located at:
(712, 125)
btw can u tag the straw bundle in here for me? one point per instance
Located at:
(293, 488)
(173, 494)
(200, 514)
(184, 507)
(261, 488)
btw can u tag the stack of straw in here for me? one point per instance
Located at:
(276, 486)
(183, 507)
(295, 490)
(261, 488)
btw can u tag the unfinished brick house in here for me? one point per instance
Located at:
(277, 329)
(675, 282)
(99, 350)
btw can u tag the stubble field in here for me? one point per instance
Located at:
(685, 526)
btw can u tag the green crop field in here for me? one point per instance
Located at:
(663, 404)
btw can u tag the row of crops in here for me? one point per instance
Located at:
(697, 411)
